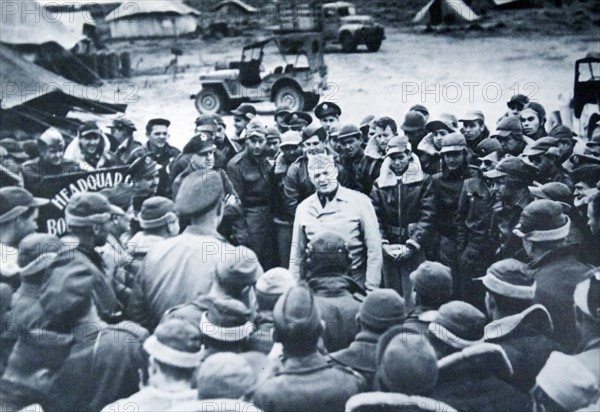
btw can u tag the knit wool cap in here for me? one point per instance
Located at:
(296, 316)
(88, 209)
(408, 365)
(156, 211)
(37, 251)
(348, 131)
(413, 120)
(227, 320)
(328, 255)
(556, 191)
(199, 192)
(240, 269)
(225, 375)
(568, 382)
(543, 220)
(275, 281)
(458, 324)
(510, 278)
(176, 342)
(453, 142)
(382, 309)
(432, 279)
(587, 294)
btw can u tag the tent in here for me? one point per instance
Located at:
(445, 11)
(33, 98)
(152, 18)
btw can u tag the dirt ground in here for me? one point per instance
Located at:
(445, 73)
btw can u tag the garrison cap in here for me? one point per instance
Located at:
(310, 131)
(176, 342)
(296, 315)
(327, 109)
(144, 166)
(453, 142)
(14, 201)
(510, 278)
(458, 324)
(199, 192)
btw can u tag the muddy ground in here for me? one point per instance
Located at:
(447, 73)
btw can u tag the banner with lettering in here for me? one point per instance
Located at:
(60, 188)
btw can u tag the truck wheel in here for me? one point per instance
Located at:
(310, 101)
(373, 45)
(290, 96)
(210, 100)
(348, 43)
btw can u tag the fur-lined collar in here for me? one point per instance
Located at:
(413, 174)
(536, 315)
(372, 150)
(481, 356)
(395, 401)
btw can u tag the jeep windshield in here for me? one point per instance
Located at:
(357, 20)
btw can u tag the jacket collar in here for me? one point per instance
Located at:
(372, 150)
(413, 174)
(564, 251)
(193, 230)
(484, 357)
(330, 286)
(303, 365)
(395, 401)
(536, 315)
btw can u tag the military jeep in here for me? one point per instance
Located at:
(586, 88)
(298, 83)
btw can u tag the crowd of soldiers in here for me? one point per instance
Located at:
(301, 264)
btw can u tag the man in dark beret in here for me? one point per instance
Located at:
(157, 132)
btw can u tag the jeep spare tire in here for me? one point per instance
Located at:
(211, 100)
(291, 96)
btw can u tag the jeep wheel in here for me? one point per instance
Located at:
(290, 96)
(348, 43)
(210, 100)
(310, 101)
(374, 45)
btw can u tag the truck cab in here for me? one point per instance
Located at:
(339, 23)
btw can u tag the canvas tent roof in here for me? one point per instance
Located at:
(28, 22)
(445, 11)
(245, 7)
(132, 9)
(34, 92)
